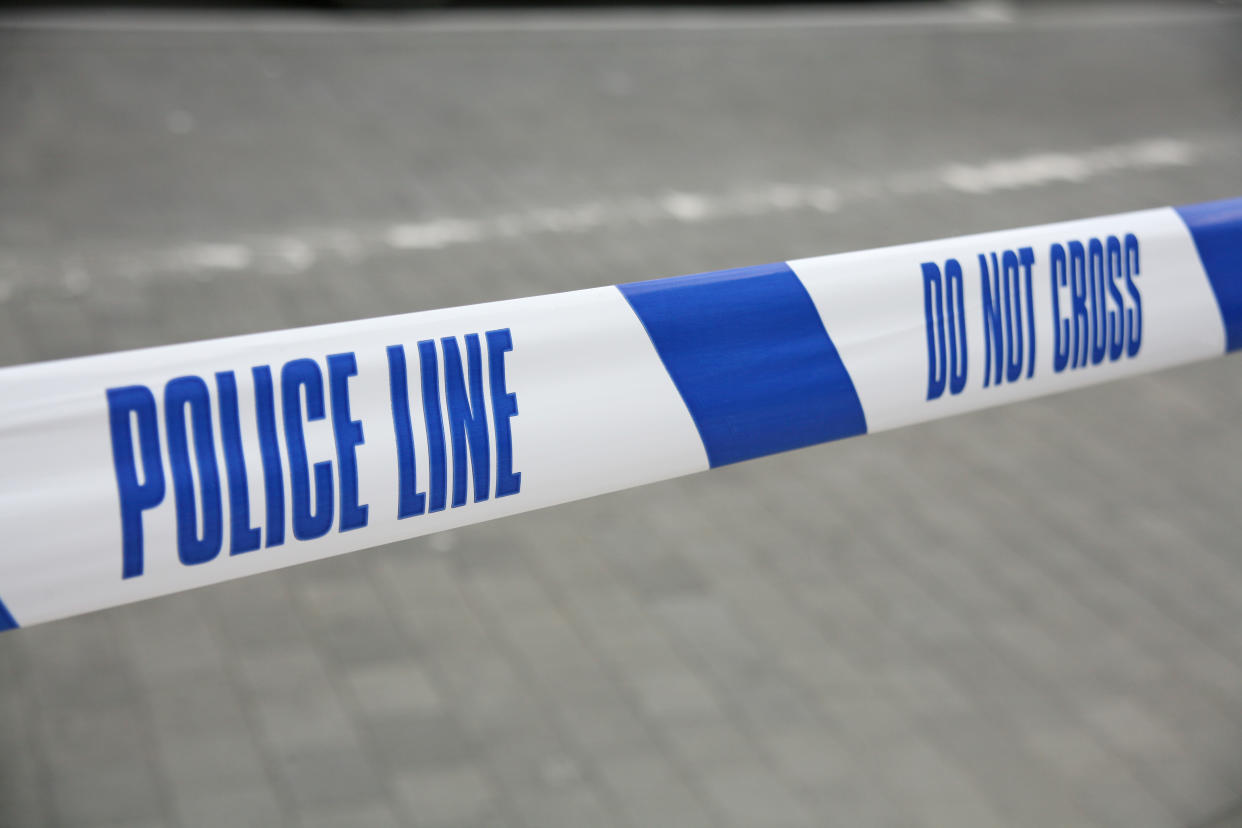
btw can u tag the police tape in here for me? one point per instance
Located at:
(136, 474)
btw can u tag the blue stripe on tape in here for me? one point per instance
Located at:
(7, 621)
(750, 356)
(1217, 230)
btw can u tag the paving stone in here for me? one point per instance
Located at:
(325, 779)
(304, 724)
(119, 792)
(245, 807)
(578, 806)
(361, 816)
(606, 726)
(419, 740)
(210, 763)
(91, 736)
(1109, 791)
(648, 790)
(704, 744)
(197, 706)
(445, 796)
(750, 794)
(22, 798)
(928, 783)
(679, 695)
(392, 688)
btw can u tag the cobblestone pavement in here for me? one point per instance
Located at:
(1026, 616)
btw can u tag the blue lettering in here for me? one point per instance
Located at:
(269, 450)
(1060, 326)
(125, 406)
(348, 434)
(504, 407)
(245, 538)
(429, 367)
(992, 331)
(1099, 312)
(1013, 314)
(954, 308)
(1005, 284)
(1102, 325)
(1078, 285)
(308, 524)
(467, 418)
(1134, 318)
(933, 312)
(308, 395)
(1027, 257)
(410, 501)
(1116, 313)
(192, 393)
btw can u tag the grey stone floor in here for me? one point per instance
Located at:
(1029, 616)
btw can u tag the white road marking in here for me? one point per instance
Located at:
(287, 254)
(215, 256)
(1046, 168)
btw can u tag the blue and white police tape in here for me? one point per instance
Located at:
(137, 474)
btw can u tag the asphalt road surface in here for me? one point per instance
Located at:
(1029, 616)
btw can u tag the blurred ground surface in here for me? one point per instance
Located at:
(1027, 616)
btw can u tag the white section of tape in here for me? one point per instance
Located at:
(596, 412)
(873, 306)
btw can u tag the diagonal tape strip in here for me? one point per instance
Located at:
(750, 356)
(1217, 230)
(7, 621)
